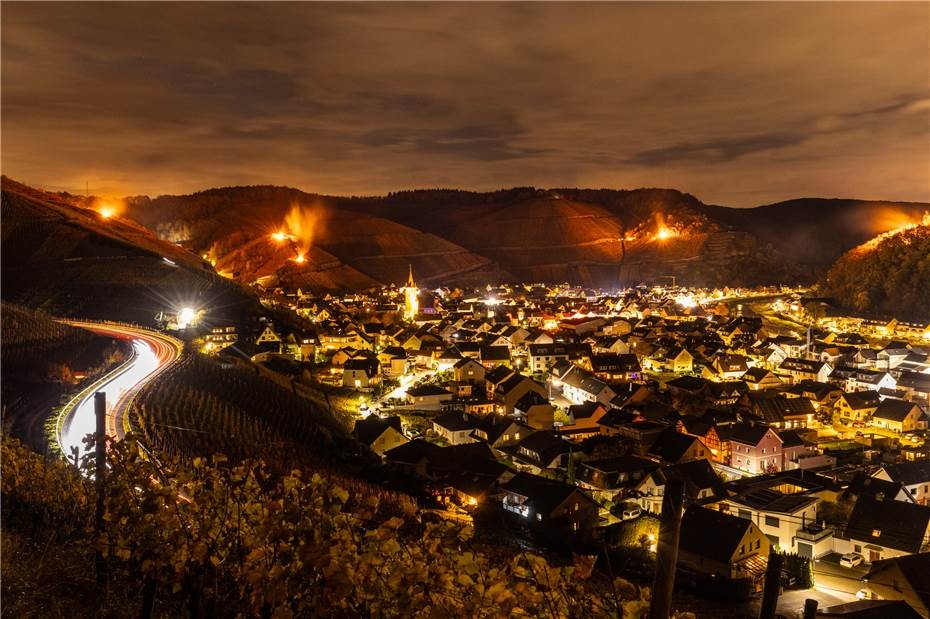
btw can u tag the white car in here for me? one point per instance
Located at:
(851, 559)
(631, 512)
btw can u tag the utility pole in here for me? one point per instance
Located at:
(100, 412)
(667, 550)
(772, 584)
(810, 608)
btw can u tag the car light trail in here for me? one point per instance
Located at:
(152, 353)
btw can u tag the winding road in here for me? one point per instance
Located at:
(152, 353)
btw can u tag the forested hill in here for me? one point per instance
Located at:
(888, 276)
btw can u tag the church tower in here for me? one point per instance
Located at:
(411, 298)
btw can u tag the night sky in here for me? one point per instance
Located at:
(739, 104)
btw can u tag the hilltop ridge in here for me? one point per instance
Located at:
(597, 237)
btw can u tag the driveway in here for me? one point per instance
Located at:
(829, 574)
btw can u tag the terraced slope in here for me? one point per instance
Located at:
(350, 249)
(69, 261)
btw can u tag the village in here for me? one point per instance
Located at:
(566, 412)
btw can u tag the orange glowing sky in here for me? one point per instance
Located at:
(737, 103)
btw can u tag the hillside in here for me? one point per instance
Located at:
(599, 237)
(888, 275)
(816, 231)
(345, 249)
(71, 261)
(41, 360)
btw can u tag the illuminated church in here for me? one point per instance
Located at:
(411, 298)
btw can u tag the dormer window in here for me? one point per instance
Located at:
(876, 532)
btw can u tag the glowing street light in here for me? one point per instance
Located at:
(300, 259)
(186, 316)
(279, 237)
(106, 212)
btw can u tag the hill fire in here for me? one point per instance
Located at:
(872, 243)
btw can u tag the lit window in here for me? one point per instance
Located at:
(539, 517)
(876, 532)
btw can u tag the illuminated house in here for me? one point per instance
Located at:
(361, 373)
(550, 505)
(899, 416)
(379, 434)
(888, 528)
(722, 545)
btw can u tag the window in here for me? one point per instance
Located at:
(772, 521)
(574, 526)
(876, 532)
(576, 506)
(539, 517)
(857, 548)
(763, 450)
(742, 549)
(758, 543)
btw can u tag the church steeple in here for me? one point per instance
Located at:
(410, 282)
(411, 297)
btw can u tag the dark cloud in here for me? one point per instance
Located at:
(716, 151)
(737, 103)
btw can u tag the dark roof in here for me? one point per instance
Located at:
(914, 380)
(776, 409)
(367, 430)
(900, 525)
(412, 452)
(764, 499)
(688, 383)
(466, 361)
(710, 533)
(858, 400)
(495, 353)
(425, 390)
(915, 568)
(545, 444)
(369, 366)
(494, 426)
(456, 421)
(909, 473)
(671, 445)
(615, 363)
(697, 475)
(864, 484)
(529, 400)
(543, 494)
(871, 609)
(583, 411)
(893, 410)
(498, 374)
(748, 433)
(790, 438)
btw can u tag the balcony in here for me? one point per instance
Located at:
(517, 508)
(814, 533)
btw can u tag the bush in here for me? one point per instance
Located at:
(802, 568)
(236, 540)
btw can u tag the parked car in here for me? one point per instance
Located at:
(851, 559)
(631, 512)
(859, 424)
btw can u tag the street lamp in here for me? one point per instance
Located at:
(186, 316)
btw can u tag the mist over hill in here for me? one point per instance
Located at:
(597, 237)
